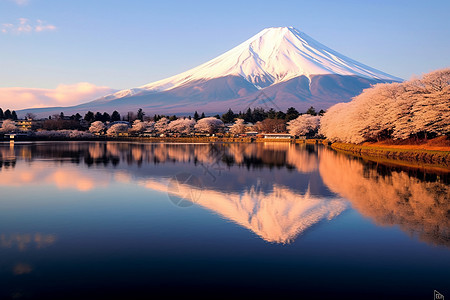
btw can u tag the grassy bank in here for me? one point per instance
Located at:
(404, 155)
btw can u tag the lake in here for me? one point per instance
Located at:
(90, 220)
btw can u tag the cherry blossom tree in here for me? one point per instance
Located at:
(150, 126)
(418, 107)
(116, 129)
(184, 126)
(209, 125)
(8, 126)
(141, 126)
(161, 125)
(304, 125)
(97, 127)
(238, 127)
(138, 126)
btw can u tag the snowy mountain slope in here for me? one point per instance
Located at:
(274, 55)
(287, 65)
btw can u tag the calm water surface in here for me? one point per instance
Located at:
(101, 220)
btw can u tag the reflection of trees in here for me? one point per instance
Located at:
(7, 156)
(39, 173)
(417, 202)
(391, 197)
(255, 155)
(7, 164)
(21, 269)
(27, 240)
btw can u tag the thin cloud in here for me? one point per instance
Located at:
(63, 95)
(24, 25)
(21, 2)
(42, 26)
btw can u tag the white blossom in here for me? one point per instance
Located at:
(97, 127)
(396, 110)
(117, 129)
(303, 125)
(209, 125)
(8, 126)
(161, 125)
(238, 127)
(138, 126)
(184, 126)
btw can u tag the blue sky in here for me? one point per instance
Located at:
(123, 44)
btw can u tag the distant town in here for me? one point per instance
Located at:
(251, 123)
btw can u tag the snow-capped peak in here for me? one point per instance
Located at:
(274, 55)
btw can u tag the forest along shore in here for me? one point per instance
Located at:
(432, 154)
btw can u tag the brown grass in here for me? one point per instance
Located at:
(441, 143)
(400, 154)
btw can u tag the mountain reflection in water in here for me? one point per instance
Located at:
(311, 183)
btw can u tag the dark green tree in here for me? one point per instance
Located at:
(196, 116)
(202, 116)
(248, 116)
(115, 116)
(258, 114)
(271, 114)
(106, 117)
(321, 112)
(1, 114)
(280, 115)
(228, 117)
(311, 111)
(14, 115)
(7, 115)
(140, 114)
(61, 116)
(291, 114)
(173, 118)
(98, 116)
(77, 117)
(89, 117)
(131, 116)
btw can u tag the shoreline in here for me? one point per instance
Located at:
(409, 156)
(171, 140)
(412, 157)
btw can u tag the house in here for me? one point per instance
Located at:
(281, 136)
(15, 136)
(25, 124)
(249, 133)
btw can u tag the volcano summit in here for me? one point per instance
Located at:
(279, 67)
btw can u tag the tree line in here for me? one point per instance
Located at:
(269, 118)
(256, 119)
(418, 108)
(8, 115)
(260, 114)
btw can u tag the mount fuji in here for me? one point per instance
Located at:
(277, 68)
